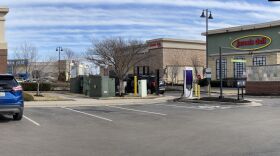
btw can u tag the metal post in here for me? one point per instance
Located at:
(157, 82)
(198, 87)
(135, 85)
(59, 49)
(206, 18)
(221, 77)
(59, 62)
(242, 93)
(238, 93)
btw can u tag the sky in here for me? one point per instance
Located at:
(75, 24)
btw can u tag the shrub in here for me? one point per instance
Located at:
(27, 97)
(216, 83)
(32, 86)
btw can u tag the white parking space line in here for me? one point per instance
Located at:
(196, 107)
(99, 117)
(256, 100)
(136, 110)
(32, 121)
(176, 106)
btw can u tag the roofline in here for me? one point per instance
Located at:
(4, 9)
(243, 27)
(177, 40)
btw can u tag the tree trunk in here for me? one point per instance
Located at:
(121, 89)
(38, 89)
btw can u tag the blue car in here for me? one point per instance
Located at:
(11, 97)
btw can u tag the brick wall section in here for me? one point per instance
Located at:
(3, 61)
(263, 87)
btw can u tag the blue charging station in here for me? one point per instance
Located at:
(188, 82)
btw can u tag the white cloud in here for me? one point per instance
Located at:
(73, 23)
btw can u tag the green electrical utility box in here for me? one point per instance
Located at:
(101, 86)
(111, 86)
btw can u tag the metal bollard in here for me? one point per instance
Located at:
(195, 90)
(135, 85)
(198, 86)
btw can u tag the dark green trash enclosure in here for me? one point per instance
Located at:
(86, 84)
(100, 86)
(76, 85)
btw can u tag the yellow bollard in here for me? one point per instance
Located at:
(135, 85)
(198, 91)
(195, 89)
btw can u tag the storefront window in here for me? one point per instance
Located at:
(224, 68)
(239, 68)
(259, 61)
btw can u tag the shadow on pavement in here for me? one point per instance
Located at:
(4, 119)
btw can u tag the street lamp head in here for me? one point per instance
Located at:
(59, 49)
(202, 14)
(210, 16)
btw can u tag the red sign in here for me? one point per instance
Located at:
(251, 42)
(154, 45)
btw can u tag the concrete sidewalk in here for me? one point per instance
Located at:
(96, 102)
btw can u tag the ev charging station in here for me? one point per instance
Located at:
(188, 82)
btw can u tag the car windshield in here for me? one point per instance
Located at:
(8, 82)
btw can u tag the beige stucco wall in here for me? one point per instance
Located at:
(155, 61)
(3, 44)
(3, 12)
(182, 58)
(171, 52)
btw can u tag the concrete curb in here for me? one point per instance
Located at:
(251, 103)
(95, 102)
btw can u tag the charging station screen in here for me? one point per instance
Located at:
(189, 79)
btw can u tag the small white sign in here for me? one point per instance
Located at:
(2, 94)
(208, 73)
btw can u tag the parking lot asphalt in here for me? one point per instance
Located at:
(162, 129)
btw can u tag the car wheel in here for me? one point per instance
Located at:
(161, 92)
(18, 116)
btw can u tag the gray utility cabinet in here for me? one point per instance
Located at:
(100, 86)
(76, 85)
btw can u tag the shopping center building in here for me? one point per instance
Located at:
(243, 46)
(170, 57)
(3, 43)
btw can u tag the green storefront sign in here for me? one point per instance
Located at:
(245, 40)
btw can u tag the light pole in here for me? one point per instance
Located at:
(207, 15)
(59, 49)
(220, 73)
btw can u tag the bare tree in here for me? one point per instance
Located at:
(27, 52)
(118, 53)
(195, 63)
(173, 72)
(70, 56)
(39, 72)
